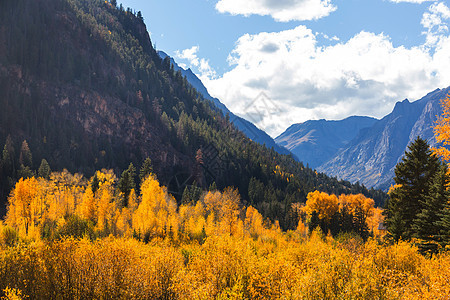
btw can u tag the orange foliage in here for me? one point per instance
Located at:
(325, 205)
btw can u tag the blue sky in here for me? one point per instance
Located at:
(313, 58)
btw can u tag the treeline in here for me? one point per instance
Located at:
(71, 205)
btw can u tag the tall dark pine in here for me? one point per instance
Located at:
(146, 169)
(44, 170)
(444, 223)
(127, 183)
(427, 224)
(413, 179)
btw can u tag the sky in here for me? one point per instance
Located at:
(281, 62)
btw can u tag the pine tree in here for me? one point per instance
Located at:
(444, 225)
(127, 183)
(8, 157)
(413, 178)
(25, 159)
(95, 183)
(44, 170)
(146, 169)
(426, 225)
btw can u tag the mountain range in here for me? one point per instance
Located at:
(361, 149)
(316, 142)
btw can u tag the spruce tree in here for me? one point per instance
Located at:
(44, 170)
(426, 226)
(25, 158)
(444, 225)
(412, 178)
(127, 183)
(146, 169)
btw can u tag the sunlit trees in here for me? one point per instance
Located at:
(154, 215)
(442, 130)
(24, 206)
(326, 206)
(348, 213)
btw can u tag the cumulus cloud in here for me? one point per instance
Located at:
(435, 21)
(280, 10)
(201, 64)
(364, 75)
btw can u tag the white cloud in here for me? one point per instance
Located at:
(280, 10)
(201, 64)
(365, 75)
(435, 21)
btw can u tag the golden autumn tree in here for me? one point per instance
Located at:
(357, 204)
(154, 214)
(442, 130)
(323, 204)
(23, 205)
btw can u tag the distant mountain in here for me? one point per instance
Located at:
(315, 142)
(371, 157)
(248, 128)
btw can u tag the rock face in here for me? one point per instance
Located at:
(371, 157)
(315, 142)
(248, 128)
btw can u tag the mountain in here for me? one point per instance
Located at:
(315, 142)
(248, 128)
(371, 157)
(81, 83)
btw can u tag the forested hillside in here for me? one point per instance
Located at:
(81, 83)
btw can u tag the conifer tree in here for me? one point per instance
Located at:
(44, 170)
(25, 158)
(127, 183)
(427, 227)
(413, 178)
(444, 225)
(146, 169)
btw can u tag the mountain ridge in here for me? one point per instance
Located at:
(316, 141)
(371, 157)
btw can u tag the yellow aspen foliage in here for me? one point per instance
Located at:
(25, 206)
(105, 210)
(124, 216)
(229, 210)
(302, 229)
(12, 294)
(325, 205)
(442, 130)
(357, 203)
(253, 223)
(156, 208)
(212, 202)
(88, 207)
(374, 221)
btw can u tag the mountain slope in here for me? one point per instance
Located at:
(82, 84)
(371, 157)
(315, 142)
(248, 128)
